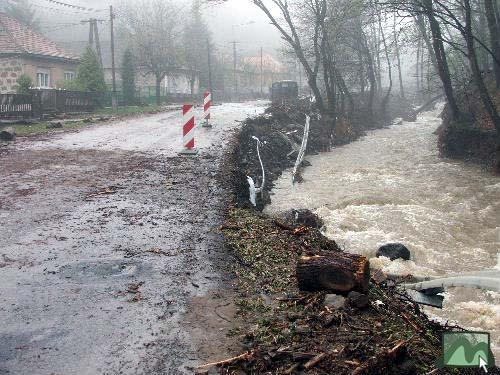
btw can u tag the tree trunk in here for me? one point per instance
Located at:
(419, 20)
(398, 59)
(385, 100)
(370, 71)
(476, 73)
(361, 74)
(441, 60)
(497, 161)
(345, 90)
(482, 25)
(417, 67)
(335, 272)
(158, 89)
(494, 29)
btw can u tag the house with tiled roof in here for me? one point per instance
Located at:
(23, 50)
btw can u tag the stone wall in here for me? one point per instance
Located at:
(10, 70)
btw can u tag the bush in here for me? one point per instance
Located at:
(24, 83)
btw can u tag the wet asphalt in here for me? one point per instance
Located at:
(106, 234)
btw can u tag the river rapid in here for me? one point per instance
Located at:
(392, 186)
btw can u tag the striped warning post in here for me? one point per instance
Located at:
(188, 130)
(207, 103)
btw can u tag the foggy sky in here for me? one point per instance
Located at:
(235, 20)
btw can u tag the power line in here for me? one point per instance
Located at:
(58, 10)
(76, 6)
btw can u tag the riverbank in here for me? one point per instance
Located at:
(286, 331)
(473, 139)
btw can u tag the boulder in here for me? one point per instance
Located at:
(334, 301)
(7, 134)
(358, 300)
(303, 217)
(394, 251)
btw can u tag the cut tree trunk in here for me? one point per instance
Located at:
(336, 272)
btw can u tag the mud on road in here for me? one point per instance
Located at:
(105, 249)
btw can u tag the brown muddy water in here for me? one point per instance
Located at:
(392, 186)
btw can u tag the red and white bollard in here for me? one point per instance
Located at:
(207, 103)
(188, 130)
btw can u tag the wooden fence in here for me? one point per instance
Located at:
(46, 101)
(16, 106)
(63, 101)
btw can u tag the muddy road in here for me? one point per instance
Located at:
(106, 238)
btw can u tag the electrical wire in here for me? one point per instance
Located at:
(60, 3)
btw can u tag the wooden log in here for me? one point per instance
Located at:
(337, 272)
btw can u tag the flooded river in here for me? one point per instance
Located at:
(392, 186)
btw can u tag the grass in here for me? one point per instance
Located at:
(69, 124)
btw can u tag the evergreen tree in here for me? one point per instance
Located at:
(22, 11)
(24, 83)
(90, 76)
(128, 78)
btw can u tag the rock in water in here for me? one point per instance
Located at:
(7, 134)
(394, 251)
(303, 217)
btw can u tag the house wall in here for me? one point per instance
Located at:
(10, 70)
(181, 84)
(56, 69)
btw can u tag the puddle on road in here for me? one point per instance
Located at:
(90, 271)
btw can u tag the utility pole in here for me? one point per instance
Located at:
(113, 95)
(234, 68)
(209, 68)
(261, 72)
(94, 37)
(97, 43)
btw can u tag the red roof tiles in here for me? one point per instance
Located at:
(17, 38)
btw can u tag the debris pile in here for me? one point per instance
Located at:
(376, 331)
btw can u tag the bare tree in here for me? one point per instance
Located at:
(494, 30)
(153, 28)
(309, 58)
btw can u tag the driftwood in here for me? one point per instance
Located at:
(383, 359)
(315, 361)
(337, 272)
(244, 356)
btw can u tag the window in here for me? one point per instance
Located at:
(43, 78)
(69, 76)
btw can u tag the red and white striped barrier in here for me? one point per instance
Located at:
(188, 130)
(207, 103)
